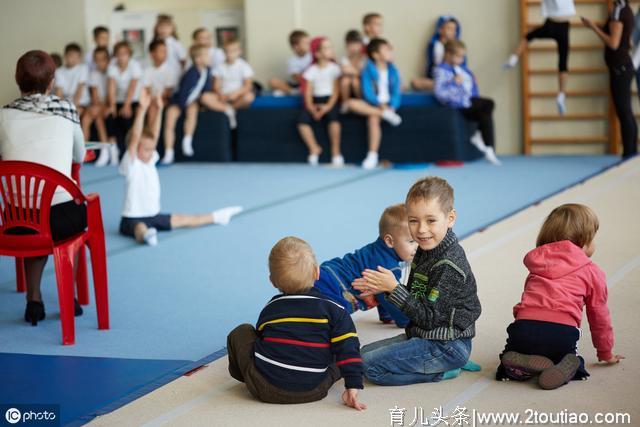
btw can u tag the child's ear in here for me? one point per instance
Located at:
(317, 276)
(388, 240)
(451, 220)
(274, 285)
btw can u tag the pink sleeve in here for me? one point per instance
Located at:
(598, 314)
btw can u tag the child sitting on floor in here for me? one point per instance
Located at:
(393, 249)
(455, 86)
(297, 63)
(193, 85)
(302, 343)
(141, 217)
(562, 279)
(352, 64)
(440, 299)
(380, 82)
(320, 100)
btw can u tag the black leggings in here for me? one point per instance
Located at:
(558, 31)
(481, 111)
(620, 78)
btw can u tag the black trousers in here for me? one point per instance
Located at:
(620, 78)
(558, 31)
(481, 112)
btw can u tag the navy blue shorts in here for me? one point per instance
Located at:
(161, 222)
(332, 115)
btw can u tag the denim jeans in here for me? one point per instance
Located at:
(401, 360)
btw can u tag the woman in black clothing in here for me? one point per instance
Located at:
(616, 36)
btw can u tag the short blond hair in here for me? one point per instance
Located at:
(393, 218)
(195, 49)
(572, 221)
(292, 265)
(432, 187)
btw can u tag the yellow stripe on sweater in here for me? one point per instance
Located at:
(344, 337)
(293, 319)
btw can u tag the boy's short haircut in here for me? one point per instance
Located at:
(292, 265)
(374, 46)
(197, 31)
(295, 36)
(230, 41)
(98, 30)
(72, 47)
(366, 19)
(57, 59)
(195, 49)
(393, 218)
(98, 50)
(432, 187)
(572, 221)
(453, 46)
(155, 43)
(353, 36)
(122, 45)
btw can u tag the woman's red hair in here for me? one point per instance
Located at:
(34, 71)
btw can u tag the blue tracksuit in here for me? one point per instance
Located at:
(189, 83)
(369, 82)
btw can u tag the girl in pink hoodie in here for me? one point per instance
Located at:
(562, 280)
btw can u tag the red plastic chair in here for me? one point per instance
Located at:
(26, 192)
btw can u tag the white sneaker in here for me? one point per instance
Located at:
(313, 159)
(392, 117)
(560, 101)
(490, 155)
(151, 237)
(187, 145)
(114, 155)
(511, 62)
(169, 156)
(223, 216)
(103, 158)
(478, 142)
(371, 161)
(231, 114)
(337, 161)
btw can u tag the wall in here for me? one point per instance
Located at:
(35, 24)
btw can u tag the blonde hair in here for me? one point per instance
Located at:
(453, 46)
(292, 265)
(393, 217)
(230, 41)
(572, 221)
(195, 49)
(432, 187)
(164, 19)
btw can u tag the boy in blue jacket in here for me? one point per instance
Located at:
(455, 86)
(380, 83)
(393, 249)
(195, 81)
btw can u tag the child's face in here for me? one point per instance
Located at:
(589, 249)
(428, 223)
(159, 55)
(201, 59)
(123, 56)
(232, 52)
(102, 39)
(165, 30)
(456, 58)
(302, 47)
(72, 58)
(384, 54)
(325, 52)
(354, 48)
(102, 61)
(374, 28)
(448, 31)
(146, 147)
(402, 242)
(203, 37)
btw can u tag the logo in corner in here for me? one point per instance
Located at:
(12, 416)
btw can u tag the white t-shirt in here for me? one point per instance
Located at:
(558, 8)
(322, 79)
(142, 187)
(68, 80)
(233, 75)
(175, 53)
(297, 64)
(160, 78)
(383, 86)
(438, 53)
(124, 77)
(100, 81)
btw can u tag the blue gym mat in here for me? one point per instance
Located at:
(172, 305)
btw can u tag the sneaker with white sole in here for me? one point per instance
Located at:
(392, 117)
(169, 157)
(371, 161)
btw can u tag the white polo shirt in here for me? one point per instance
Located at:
(142, 186)
(297, 64)
(124, 77)
(158, 79)
(232, 76)
(322, 79)
(99, 80)
(68, 80)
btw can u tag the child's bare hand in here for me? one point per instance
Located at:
(587, 22)
(458, 79)
(360, 285)
(615, 359)
(350, 398)
(126, 111)
(382, 280)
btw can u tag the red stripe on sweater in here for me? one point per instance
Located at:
(296, 342)
(345, 361)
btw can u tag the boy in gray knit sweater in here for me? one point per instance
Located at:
(440, 298)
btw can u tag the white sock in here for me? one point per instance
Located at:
(169, 155)
(114, 154)
(512, 61)
(223, 216)
(231, 114)
(187, 145)
(490, 155)
(151, 237)
(560, 101)
(103, 158)
(391, 116)
(313, 159)
(337, 161)
(478, 142)
(371, 161)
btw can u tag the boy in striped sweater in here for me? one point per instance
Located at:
(302, 343)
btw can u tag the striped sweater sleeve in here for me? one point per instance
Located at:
(346, 349)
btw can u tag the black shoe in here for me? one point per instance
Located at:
(77, 308)
(34, 312)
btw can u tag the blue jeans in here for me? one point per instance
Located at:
(401, 360)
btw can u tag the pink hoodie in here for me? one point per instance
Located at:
(561, 281)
